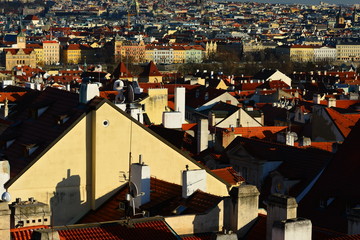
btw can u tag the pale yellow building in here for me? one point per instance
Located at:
(348, 51)
(301, 53)
(51, 52)
(82, 155)
(22, 56)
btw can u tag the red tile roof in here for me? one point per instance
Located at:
(121, 71)
(24, 233)
(150, 70)
(125, 230)
(258, 132)
(11, 96)
(343, 122)
(229, 175)
(146, 228)
(165, 198)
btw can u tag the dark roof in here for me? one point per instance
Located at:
(264, 74)
(297, 164)
(150, 70)
(221, 110)
(165, 198)
(339, 184)
(199, 96)
(121, 71)
(275, 84)
(39, 131)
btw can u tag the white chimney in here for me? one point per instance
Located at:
(88, 91)
(202, 135)
(279, 207)
(4, 175)
(140, 177)
(172, 119)
(192, 181)
(292, 229)
(332, 102)
(180, 102)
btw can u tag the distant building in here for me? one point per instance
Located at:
(51, 52)
(130, 50)
(348, 51)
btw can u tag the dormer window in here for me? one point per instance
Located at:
(206, 96)
(61, 119)
(9, 142)
(30, 149)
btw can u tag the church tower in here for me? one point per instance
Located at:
(21, 39)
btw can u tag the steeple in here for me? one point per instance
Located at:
(21, 37)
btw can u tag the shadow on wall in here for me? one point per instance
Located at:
(208, 222)
(66, 204)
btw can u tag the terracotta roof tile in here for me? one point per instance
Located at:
(150, 70)
(121, 71)
(342, 122)
(24, 233)
(165, 198)
(229, 175)
(134, 229)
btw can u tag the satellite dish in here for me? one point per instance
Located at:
(6, 197)
(134, 191)
(118, 85)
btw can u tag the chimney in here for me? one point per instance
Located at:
(202, 135)
(316, 98)
(140, 176)
(192, 181)
(4, 220)
(290, 139)
(172, 120)
(292, 229)
(88, 91)
(4, 175)
(242, 208)
(180, 102)
(331, 102)
(279, 207)
(37, 213)
(354, 221)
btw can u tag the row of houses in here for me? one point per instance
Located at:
(310, 53)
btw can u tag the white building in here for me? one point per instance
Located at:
(324, 54)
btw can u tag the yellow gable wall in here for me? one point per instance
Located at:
(112, 154)
(60, 176)
(155, 104)
(86, 165)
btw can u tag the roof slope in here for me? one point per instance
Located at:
(36, 125)
(121, 71)
(150, 70)
(165, 198)
(339, 182)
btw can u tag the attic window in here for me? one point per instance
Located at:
(30, 149)
(40, 111)
(9, 142)
(206, 96)
(326, 202)
(61, 119)
(180, 209)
